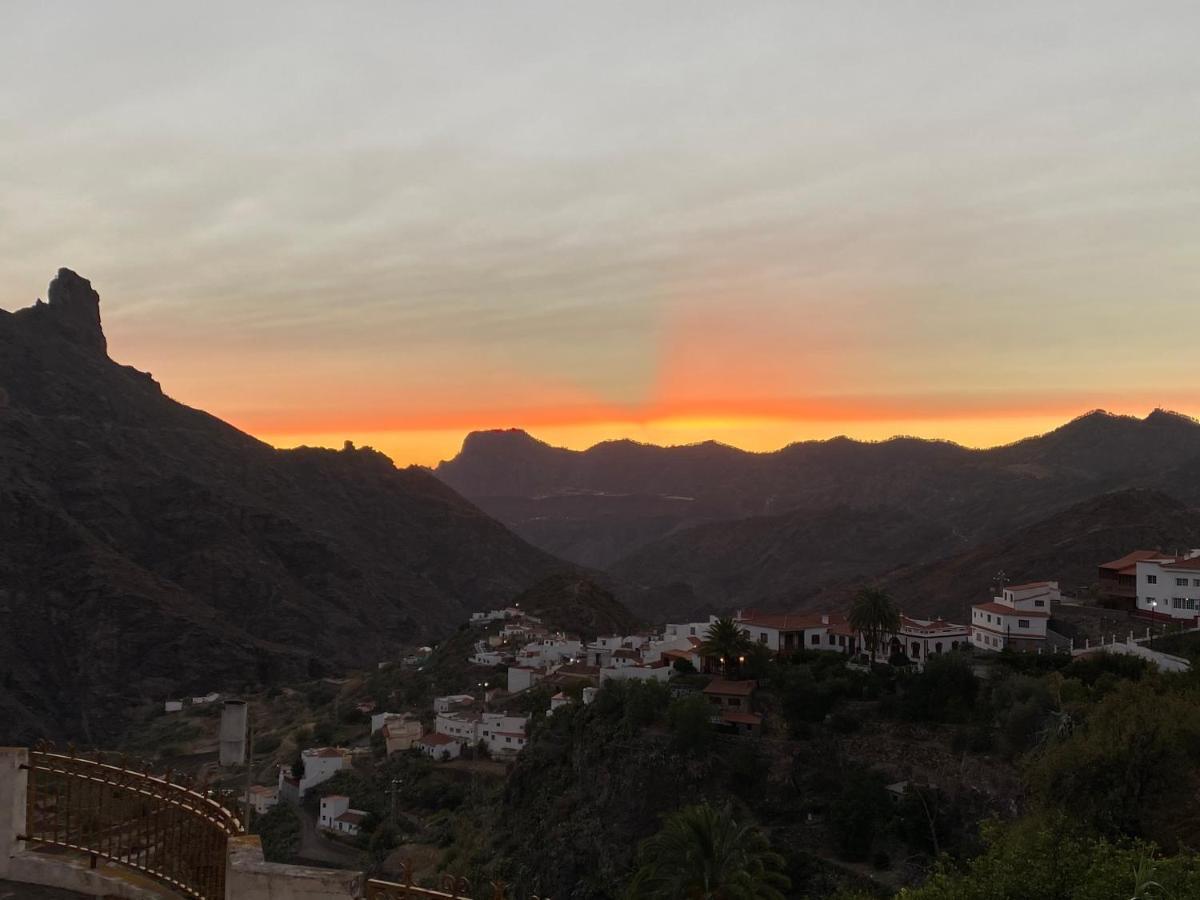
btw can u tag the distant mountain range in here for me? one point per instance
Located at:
(721, 526)
(148, 549)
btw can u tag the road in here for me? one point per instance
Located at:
(315, 847)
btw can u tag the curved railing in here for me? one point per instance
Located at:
(453, 887)
(166, 829)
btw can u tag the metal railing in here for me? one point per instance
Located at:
(453, 887)
(175, 834)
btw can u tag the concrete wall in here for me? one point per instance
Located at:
(249, 877)
(13, 781)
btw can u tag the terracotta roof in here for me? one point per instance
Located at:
(352, 817)
(325, 752)
(1009, 611)
(1192, 564)
(437, 739)
(626, 654)
(730, 688)
(335, 797)
(1130, 559)
(741, 718)
(261, 789)
(577, 669)
(1032, 584)
(780, 621)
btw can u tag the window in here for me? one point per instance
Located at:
(831, 640)
(816, 638)
(1022, 623)
(1181, 582)
(1177, 603)
(916, 650)
(1039, 602)
(734, 701)
(762, 637)
(937, 648)
(1151, 579)
(841, 640)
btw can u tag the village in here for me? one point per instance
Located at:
(519, 652)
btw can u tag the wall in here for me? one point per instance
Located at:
(249, 877)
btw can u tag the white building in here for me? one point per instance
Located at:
(558, 701)
(522, 678)
(658, 672)
(400, 733)
(263, 798)
(452, 701)
(1016, 619)
(462, 727)
(336, 815)
(320, 764)
(919, 639)
(439, 746)
(1168, 587)
(172, 706)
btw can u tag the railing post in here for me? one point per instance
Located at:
(14, 783)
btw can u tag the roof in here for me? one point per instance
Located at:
(262, 789)
(1031, 584)
(929, 625)
(1011, 611)
(516, 734)
(1129, 560)
(780, 621)
(730, 688)
(559, 696)
(626, 654)
(325, 752)
(578, 669)
(741, 718)
(437, 739)
(352, 817)
(1192, 564)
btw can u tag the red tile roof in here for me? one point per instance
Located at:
(741, 718)
(1009, 611)
(730, 688)
(352, 817)
(437, 739)
(1032, 584)
(1192, 564)
(1129, 560)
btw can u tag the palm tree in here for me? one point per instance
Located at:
(726, 641)
(703, 854)
(873, 614)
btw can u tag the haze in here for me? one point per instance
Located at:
(397, 222)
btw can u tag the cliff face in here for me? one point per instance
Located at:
(148, 549)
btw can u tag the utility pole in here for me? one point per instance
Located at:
(395, 784)
(249, 766)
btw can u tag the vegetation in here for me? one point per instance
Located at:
(705, 854)
(873, 614)
(279, 830)
(726, 641)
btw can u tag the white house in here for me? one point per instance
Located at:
(336, 815)
(558, 701)
(502, 733)
(320, 764)
(919, 639)
(212, 697)
(658, 672)
(379, 719)
(462, 727)
(172, 706)
(263, 798)
(1017, 618)
(1168, 587)
(452, 701)
(439, 746)
(522, 678)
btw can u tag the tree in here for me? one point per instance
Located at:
(703, 854)
(873, 614)
(690, 720)
(725, 641)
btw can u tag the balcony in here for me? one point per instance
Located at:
(106, 830)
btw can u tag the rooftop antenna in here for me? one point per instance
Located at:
(1001, 580)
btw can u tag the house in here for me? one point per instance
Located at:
(1016, 619)
(503, 733)
(789, 632)
(452, 702)
(439, 746)
(263, 798)
(589, 695)
(918, 639)
(1116, 581)
(400, 733)
(212, 697)
(462, 727)
(337, 816)
(320, 764)
(1168, 588)
(558, 701)
(172, 706)
(732, 701)
(660, 671)
(522, 678)
(573, 673)
(378, 720)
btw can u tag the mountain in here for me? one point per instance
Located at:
(1066, 547)
(615, 501)
(572, 602)
(148, 549)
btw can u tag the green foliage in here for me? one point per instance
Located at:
(268, 743)
(684, 667)
(725, 641)
(690, 720)
(873, 614)
(279, 830)
(705, 854)
(945, 692)
(1053, 859)
(1121, 770)
(858, 813)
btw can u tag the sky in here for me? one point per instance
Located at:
(753, 222)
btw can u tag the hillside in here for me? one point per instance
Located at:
(147, 548)
(615, 500)
(1066, 547)
(575, 603)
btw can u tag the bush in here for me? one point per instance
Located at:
(843, 722)
(268, 743)
(279, 830)
(881, 860)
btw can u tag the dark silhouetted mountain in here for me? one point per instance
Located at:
(147, 548)
(607, 503)
(1066, 547)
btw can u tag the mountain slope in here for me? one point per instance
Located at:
(147, 548)
(1066, 547)
(601, 505)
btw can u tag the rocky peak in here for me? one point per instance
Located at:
(75, 308)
